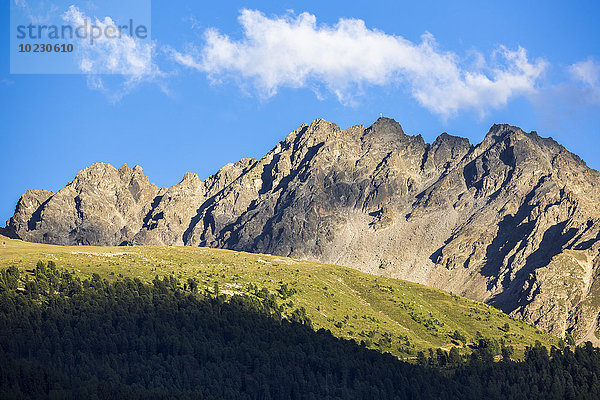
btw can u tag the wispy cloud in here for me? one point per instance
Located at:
(129, 57)
(587, 75)
(293, 51)
(42, 13)
(587, 72)
(572, 98)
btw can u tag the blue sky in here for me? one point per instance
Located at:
(229, 80)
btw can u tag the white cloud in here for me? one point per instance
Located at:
(587, 75)
(587, 72)
(129, 57)
(293, 51)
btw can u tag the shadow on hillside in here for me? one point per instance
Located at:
(131, 340)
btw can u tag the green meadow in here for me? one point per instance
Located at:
(387, 314)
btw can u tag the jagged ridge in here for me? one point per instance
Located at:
(512, 221)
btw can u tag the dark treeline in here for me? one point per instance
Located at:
(63, 338)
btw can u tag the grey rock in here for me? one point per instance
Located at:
(101, 206)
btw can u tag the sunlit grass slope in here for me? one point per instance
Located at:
(388, 314)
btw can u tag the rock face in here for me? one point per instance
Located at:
(513, 221)
(102, 205)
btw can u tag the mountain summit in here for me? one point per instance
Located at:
(513, 221)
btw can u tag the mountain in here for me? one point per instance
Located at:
(512, 221)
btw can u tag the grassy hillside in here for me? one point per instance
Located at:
(389, 314)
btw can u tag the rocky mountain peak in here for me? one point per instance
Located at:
(388, 125)
(507, 133)
(385, 129)
(319, 131)
(447, 139)
(189, 176)
(125, 170)
(96, 170)
(26, 214)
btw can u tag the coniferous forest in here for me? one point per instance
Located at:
(64, 338)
